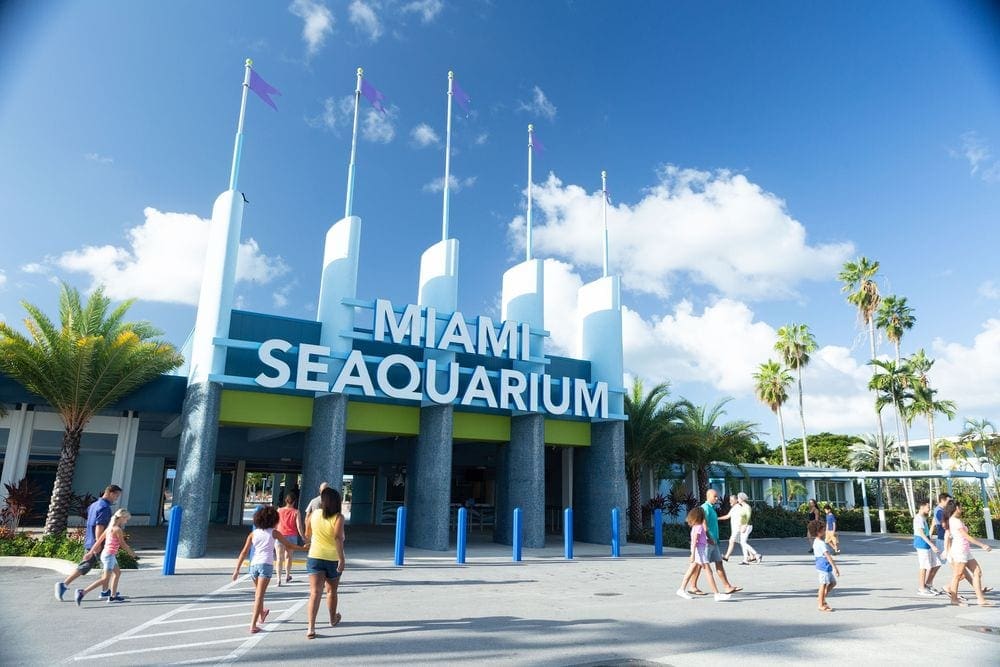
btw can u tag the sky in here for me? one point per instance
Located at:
(751, 149)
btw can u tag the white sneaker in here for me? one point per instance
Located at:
(925, 592)
(684, 594)
(722, 597)
(935, 591)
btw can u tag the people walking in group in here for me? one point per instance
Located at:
(750, 555)
(315, 502)
(812, 514)
(113, 540)
(959, 543)
(826, 567)
(290, 526)
(928, 562)
(262, 539)
(713, 552)
(831, 528)
(326, 559)
(940, 526)
(735, 516)
(98, 518)
(699, 559)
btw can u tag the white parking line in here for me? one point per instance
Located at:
(185, 632)
(153, 649)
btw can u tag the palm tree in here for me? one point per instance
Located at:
(893, 385)
(702, 441)
(958, 452)
(87, 363)
(923, 398)
(895, 318)
(979, 436)
(796, 343)
(647, 434)
(858, 278)
(772, 390)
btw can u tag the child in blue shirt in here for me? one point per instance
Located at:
(826, 567)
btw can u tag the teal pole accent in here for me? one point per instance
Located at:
(173, 537)
(568, 532)
(400, 534)
(615, 540)
(518, 537)
(657, 532)
(463, 534)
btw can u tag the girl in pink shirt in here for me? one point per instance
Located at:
(699, 556)
(958, 545)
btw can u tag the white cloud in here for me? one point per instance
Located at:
(164, 260)
(365, 19)
(280, 296)
(36, 268)
(335, 115)
(380, 127)
(423, 135)
(482, 138)
(317, 23)
(976, 151)
(969, 375)
(989, 290)
(539, 105)
(427, 9)
(98, 158)
(717, 228)
(3, 278)
(456, 184)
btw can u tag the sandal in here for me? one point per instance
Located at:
(288, 579)
(697, 591)
(734, 589)
(263, 614)
(826, 608)
(254, 630)
(336, 620)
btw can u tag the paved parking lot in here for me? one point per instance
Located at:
(592, 611)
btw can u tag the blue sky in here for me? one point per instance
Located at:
(750, 150)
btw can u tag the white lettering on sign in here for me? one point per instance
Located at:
(439, 382)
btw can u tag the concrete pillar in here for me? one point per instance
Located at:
(326, 444)
(523, 481)
(598, 485)
(239, 493)
(15, 460)
(196, 464)
(849, 499)
(429, 480)
(121, 470)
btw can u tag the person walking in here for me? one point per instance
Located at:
(959, 545)
(826, 567)
(98, 518)
(928, 562)
(290, 526)
(262, 540)
(750, 555)
(326, 559)
(940, 526)
(113, 540)
(315, 502)
(831, 528)
(735, 516)
(713, 552)
(699, 557)
(812, 514)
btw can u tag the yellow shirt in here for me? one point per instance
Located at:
(322, 543)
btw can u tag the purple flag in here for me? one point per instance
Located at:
(263, 89)
(537, 145)
(461, 96)
(373, 95)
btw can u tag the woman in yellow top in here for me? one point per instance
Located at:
(325, 562)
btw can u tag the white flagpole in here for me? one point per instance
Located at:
(238, 147)
(447, 160)
(354, 149)
(604, 196)
(531, 146)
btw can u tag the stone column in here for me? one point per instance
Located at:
(326, 444)
(523, 481)
(598, 485)
(429, 480)
(121, 469)
(239, 493)
(567, 477)
(15, 460)
(196, 464)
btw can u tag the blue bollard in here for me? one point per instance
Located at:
(173, 537)
(400, 534)
(616, 550)
(657, 532)
(568, 532)
(517, 535)
(463, 534)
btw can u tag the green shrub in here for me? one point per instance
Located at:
(65, 547)
(777, 522)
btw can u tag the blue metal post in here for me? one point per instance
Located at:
(615, 542)
(463, 534)
(517, 535)
(658, 532)
(568, 532)
(400, 534)
(173, 537)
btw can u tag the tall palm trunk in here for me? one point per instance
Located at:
(802, 418)
(781, 430)
(635, 502)
(930, 452)
(62, 491)
(702, 476)
(884, 484)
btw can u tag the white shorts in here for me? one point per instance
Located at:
(959, 555)
(701, 555)
(826, 577)
(927, 559)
